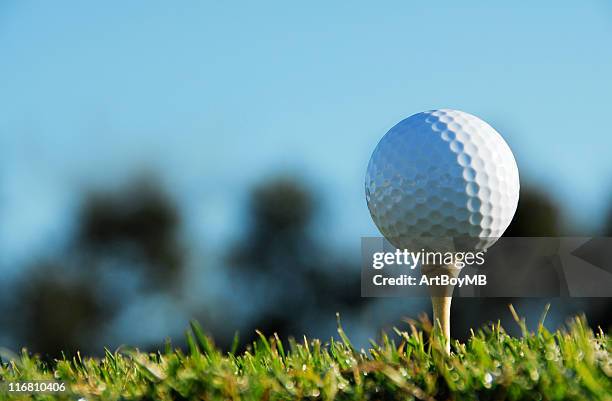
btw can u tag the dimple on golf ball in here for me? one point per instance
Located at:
(442, 173)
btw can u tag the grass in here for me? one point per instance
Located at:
(570, 364)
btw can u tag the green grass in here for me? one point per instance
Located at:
(570, 364)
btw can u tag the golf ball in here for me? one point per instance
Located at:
(442, 173)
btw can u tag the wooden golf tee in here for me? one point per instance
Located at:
(441, 315)
(441, 298)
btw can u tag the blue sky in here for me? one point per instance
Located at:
(219, 95)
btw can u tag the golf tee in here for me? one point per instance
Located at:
(441, 316)
(441, 298)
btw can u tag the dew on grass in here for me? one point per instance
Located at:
(487, 380)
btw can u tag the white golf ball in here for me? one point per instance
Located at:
(442, 173)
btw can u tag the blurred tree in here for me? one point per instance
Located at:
(281, 206)
(60, 311)
(536, 215)
(281, 213)
(297, 274)
(138, 224)
(127, 241)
